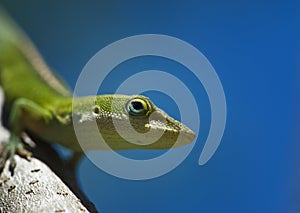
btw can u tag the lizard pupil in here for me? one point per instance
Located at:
(137, 105)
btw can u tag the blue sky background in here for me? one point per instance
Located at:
(253, 46)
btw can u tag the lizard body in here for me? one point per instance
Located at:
(39, 103)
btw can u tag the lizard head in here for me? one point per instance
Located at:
(132, 122)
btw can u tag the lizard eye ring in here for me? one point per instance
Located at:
(137, 106)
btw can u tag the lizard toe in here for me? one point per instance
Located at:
(3, 158)
(20, 150)
(14, 146)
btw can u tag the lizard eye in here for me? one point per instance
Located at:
(137, 106)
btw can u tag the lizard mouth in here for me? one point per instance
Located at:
(174, 133)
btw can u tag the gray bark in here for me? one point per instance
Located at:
(35, 188)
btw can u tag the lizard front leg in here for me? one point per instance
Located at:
(21, 107)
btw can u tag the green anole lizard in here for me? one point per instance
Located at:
(39, 103)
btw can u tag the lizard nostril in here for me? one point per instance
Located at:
(96, 110)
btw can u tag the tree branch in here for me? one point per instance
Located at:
(35, 188)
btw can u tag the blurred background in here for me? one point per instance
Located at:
(254, 48)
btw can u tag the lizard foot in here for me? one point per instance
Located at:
(14, 146)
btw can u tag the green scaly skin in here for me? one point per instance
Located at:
(39, 103)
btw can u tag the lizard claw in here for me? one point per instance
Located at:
(14, 146)
(12, 165)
